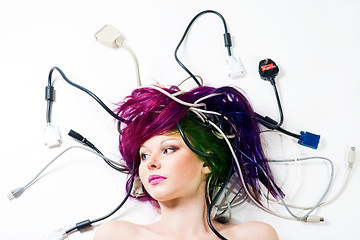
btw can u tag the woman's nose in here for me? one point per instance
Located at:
(153, 162)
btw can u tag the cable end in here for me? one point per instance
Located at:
(78, 137)
(52, 136)
(58, 234)
(15, 193)
(352, 156)
(314, 219)
(10, 196)
(268, 70)
(235, 67)
(109, 36)
(309, 139)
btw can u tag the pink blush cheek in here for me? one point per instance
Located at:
(185, 168)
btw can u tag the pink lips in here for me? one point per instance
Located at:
(155, 179)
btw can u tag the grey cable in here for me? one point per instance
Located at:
(18, 191)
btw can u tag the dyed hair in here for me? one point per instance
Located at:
(148, 112)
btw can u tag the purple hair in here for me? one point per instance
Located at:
(148, 112)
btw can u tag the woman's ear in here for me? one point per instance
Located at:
(205, 169)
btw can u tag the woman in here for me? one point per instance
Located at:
(185, 145)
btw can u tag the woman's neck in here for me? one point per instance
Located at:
(185, 215)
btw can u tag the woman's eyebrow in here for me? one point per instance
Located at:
(170, 139)
(143, 146)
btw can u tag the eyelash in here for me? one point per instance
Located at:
(172, 148)
(142, 156)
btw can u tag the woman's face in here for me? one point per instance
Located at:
(169, 169)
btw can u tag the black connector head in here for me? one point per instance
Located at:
(76, 136)
(268, 70)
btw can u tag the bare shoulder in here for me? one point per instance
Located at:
(251, 230)
(116, 230)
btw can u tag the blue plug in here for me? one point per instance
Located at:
(309, 139)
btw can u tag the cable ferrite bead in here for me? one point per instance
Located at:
(49, 93)
(83, 224)
(227, 40)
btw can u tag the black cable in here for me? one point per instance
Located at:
(288, 133)
(190, 146)
(227, 40)
(87, 223)
(50, 94)
(187, 142)
(86, 142)
(268, 122)
(49, 97)
(213, 202)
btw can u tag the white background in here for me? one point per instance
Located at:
(314, 43)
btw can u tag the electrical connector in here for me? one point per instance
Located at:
(109, 36)
(235, 67)
(314, 219)
(352, 157)
(268, 70)
(309, 139)
(52, 136)
(78, 137)
(15, 193)
(58, 234)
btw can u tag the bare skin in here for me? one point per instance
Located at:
(181, 197)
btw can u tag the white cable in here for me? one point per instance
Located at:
(338, 194)
(135, 61)
(207, 111)
(311, 158)
(190, 77)
(201, 115)
(208, 96)
(111, 37)
(173, 97)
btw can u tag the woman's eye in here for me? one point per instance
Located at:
(144, 156)
(169, 150)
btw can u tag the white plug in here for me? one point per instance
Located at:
(15, 193)
(58, 234)
(52, 136)
(109, 36)
(351, 158)
(314, 219)
(235, 67)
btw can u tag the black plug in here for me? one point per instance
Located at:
(80, 138)
(268, 70)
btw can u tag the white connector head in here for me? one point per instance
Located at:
(58, 234)
(15, 193)
(352, 156)
(314, 219)
(235, 67)
(52, 136)
(109, 36)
